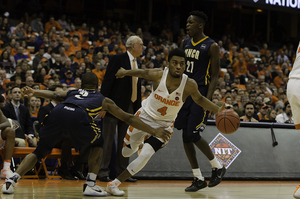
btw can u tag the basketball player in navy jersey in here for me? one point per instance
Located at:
(202, 65)
(74, 117)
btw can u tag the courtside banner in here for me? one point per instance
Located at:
(224, 150)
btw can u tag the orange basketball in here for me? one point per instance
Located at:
(227, 121)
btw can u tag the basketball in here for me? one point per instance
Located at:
(227, 121)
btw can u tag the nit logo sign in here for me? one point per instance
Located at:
(224, 150)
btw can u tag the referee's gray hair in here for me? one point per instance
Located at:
(131, 40)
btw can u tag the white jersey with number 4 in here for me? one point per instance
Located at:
(161, 105)
(295, 73)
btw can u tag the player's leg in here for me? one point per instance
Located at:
(90, 188)
(218, 170)
(45, 146)
(293, 96)
(132, 141)
(151, 145)
(8, 135)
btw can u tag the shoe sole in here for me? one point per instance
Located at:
(222, 174)
(114, 194)
(89, 194)
(201, 187)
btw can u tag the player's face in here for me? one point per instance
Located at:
(177, 66)
(193, 26)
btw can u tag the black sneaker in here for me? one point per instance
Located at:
(216, 176)
(196, 185)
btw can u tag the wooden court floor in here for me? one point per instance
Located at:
(158, 189)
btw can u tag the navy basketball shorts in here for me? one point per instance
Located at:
(67, 119)
(192, 119)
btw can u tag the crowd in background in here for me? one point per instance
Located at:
(40, 53)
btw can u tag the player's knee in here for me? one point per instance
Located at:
(127, 152)
(9, 134)
(190, 137)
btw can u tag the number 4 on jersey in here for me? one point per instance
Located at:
(163, 110)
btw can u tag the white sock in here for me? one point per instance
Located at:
(91, 179)
(197, 173)
(215, 163)
(6, 165)
(116, 182)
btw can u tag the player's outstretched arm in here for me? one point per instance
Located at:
(192, 89)
(110, 106)
(53, 95)
(149, 74)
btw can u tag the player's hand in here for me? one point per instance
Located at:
(120, 73)
(221, 108)
(163, 134)
(102, 114)
(27, 91)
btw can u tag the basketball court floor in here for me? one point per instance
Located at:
(158, 189)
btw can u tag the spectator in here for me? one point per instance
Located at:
(57, 64)
(29, 81)
(69, 79)
(228, 100)
(20, 54)
(5, 62)
(63, 23)
(77, 83)
(66, 68)
(20, 33)
(262, 114)
(286, 116)
(17, 111)
(3, 81)
(264, 50)
(252, 69)
(249, 112)
(99, 71)
(75, 46)
(239, 67)
(37, 24)
(272, 115)
(224, 61)
(33, 110)
(52, 23)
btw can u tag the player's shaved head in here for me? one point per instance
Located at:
(200, 15)
(89, 81)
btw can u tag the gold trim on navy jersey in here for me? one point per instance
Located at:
(94, 112)
(207, 76)
(194, 44)
(202, 119)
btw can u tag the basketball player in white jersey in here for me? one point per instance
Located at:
(170, 89)
(293, 96)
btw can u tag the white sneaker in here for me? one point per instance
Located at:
(114, 190)
(6, 173)
(93, 191)
(297, 192)
(8, 186)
